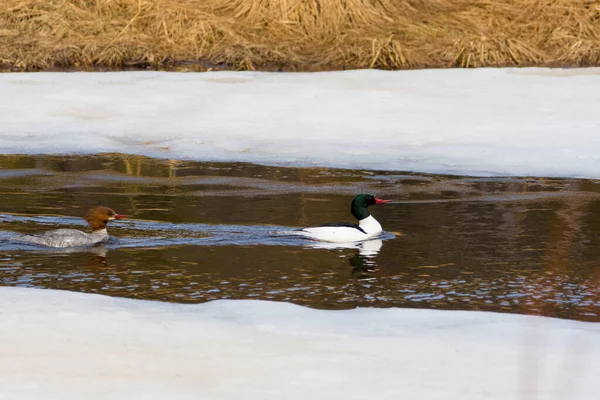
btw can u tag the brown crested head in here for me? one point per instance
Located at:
(98, 217)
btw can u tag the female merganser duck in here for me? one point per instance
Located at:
(97, 218)
(341, 232)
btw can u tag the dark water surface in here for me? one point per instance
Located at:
(205, 231)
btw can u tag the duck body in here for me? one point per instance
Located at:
(97, 218)
(340, 232)
(368, 227)
(66, 238)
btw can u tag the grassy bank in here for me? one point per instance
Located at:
(297, 34)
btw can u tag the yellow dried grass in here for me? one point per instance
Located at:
(297, 34)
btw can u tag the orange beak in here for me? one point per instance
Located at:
(121, 216)
(380, 201)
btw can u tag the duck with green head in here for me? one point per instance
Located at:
(341, 232)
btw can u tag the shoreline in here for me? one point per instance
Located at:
(200, 35)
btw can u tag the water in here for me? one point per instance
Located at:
(205, 231)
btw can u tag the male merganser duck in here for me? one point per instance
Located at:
(341, 232)
(97, 218)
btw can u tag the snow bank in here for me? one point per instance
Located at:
(63, 345)
(541, 122)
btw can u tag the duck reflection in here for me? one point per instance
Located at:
(364, 261)
(97, 254)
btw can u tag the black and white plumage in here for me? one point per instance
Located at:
(342, 232)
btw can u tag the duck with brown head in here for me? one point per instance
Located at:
(97, 218)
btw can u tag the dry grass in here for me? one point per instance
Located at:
(297, 34)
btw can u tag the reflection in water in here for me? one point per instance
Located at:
(204, 231)
(97, 251)
(363, 261)
(96, 259)
(367, 248)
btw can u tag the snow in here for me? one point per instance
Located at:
(62, 345)
(539, 122)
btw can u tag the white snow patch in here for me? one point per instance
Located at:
(63, 345)
(536, 121)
